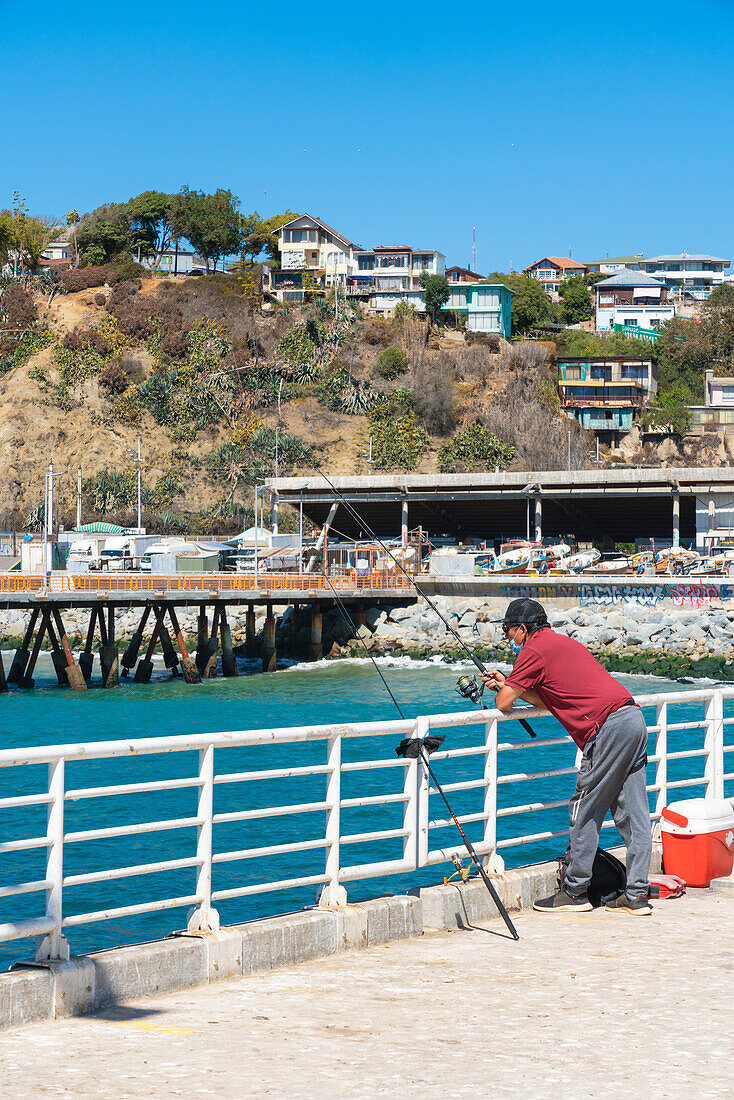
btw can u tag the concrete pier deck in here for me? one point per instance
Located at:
(585, 1005)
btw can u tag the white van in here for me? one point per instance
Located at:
(165, 546)
(83, 556)
(118, 552)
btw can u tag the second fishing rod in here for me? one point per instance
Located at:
(467, 686)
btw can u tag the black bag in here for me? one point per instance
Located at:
(608, 876)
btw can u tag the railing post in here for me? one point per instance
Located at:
(492, 861)
(661, 751)
(333, 893)
(410, 813)
(421, 730)
(204, 918)
(714, 746)
(54, 945)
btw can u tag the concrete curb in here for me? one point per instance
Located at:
(38, 991)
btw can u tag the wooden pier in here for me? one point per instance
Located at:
(159, 598)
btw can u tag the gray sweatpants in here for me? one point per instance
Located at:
(612, 777)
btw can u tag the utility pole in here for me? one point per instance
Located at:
(369, 461)
(569, 450)
(140, 494)
(45, 532)
(79, 496)
(277, 431)
(300, 535)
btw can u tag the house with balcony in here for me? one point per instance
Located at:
(486, 306)
(632, 299)
(550, 272)
(311, 254)
(391, 273)
(687, 275)
(717, 412)
(605, 394)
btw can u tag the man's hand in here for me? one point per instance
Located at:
(494, 679)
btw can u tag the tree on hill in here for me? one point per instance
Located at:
(594, 277)
(211, 223)
(670, 412)
(103, 234)
(575, 300)
(149, 217)
(7, 236)
(37, 234)
(436, 291)
(531, 306)
(261, 234)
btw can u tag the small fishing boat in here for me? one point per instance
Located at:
(674, 559)
(577, 563)
(612, 566)
(512, 561)
(708, 566)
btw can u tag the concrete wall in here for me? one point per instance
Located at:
(88, 982)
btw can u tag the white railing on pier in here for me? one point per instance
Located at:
(389, 786)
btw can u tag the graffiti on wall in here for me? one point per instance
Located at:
(604, 595)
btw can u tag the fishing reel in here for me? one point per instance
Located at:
(469, 688)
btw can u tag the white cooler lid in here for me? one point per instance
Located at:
(703, 815)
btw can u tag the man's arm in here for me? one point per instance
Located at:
(507, 696)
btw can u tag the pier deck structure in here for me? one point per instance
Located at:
(592, 1004)
(159, 597)
(621, 504)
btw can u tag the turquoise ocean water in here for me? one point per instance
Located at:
(299, 695)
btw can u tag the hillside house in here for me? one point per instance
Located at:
(605, 394)
(550, 272)
(463, 275)
(633, 299)
(486, 306)
(717, 411)
(687, 275)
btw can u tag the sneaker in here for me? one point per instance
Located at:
(635, 906)
(562, 902)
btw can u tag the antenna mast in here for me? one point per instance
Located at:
(474, 248)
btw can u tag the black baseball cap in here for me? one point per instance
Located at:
(523, 611)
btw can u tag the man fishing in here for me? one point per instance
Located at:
(562, 676)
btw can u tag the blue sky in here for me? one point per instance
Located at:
(599, 128)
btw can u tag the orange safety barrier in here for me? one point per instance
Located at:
(225, 582)
(19, 582)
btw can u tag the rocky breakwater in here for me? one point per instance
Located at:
(665, 640)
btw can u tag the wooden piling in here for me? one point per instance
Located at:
(86, 657)
(22, 654)
(188, 665)
(316, 648)
(3, 681)
(74, 674)
(270, 656)
(130, 655)
(202, 639)
(209, 671)
(229, 663)
(250, 644)
(144, 671)
(27, 680)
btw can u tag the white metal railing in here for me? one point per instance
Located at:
(405, 784)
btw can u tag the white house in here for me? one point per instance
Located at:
(631, 298)
(688, 275)
(308, 244)
(390, 274)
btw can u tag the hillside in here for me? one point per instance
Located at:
(204, 376)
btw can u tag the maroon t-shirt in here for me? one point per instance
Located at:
(570, 681)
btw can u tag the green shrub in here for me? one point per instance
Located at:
(397, 443)
(474, 448)
(391, 362)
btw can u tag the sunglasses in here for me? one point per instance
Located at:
(507, 627)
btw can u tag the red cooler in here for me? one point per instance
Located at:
(698, 839)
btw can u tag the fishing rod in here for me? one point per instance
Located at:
(467, 686)
(420, 748)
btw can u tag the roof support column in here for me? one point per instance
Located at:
(538, 518)
(676, 518)
(404, 522)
